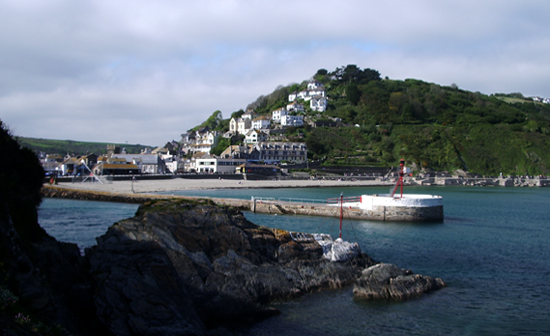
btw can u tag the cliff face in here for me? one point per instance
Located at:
(49, 278)
(185, 268)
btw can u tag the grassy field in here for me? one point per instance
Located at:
(512, 100)
(63, 147)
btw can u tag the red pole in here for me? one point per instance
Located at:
(402, 164)
(341, 212)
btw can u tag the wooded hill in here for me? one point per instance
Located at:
(429, 125)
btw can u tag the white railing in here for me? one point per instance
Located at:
(290, 200)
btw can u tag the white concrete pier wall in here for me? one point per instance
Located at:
(369, 202)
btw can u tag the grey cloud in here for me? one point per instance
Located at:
(147, 71)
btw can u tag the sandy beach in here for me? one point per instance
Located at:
(147, 186)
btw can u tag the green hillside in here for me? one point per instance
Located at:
(63, 147)
(433, 126)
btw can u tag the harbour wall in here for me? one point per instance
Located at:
(378, 213)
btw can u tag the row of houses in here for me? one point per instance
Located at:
(161, 160)
(114, 163)
(256, 128)
(315, 94)
(270, 153)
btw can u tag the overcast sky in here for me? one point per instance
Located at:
(147, 71)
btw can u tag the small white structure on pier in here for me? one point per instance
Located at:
(370, 202)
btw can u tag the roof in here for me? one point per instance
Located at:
(145, 158)
(119, 166)
(254, 165)
(70, 160)
(200, 155)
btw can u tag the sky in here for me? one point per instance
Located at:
(144, 72)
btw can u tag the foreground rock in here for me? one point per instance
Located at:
(386, 281)
(180, 268)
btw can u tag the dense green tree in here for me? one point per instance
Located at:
(212, 121)
(353, 94)
(222, 145)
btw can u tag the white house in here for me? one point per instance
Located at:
(249, 115)
(295, 107)
(313, 85)
(290, 120)
(217, 165)
(172, 162)
(306, 94)
(278, 114)
(318, 103)
(240, 125)
(199, 141)
(261, 123)
(254, 136)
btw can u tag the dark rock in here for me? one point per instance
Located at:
(183, 268)
(386, 281)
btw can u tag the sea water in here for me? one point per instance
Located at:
(492, 250)
(81, 222)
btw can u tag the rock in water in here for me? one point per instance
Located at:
(181, 267)
(337, 250)
(386, 281)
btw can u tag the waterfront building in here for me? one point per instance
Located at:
(275, 152)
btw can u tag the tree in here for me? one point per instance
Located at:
(211, 122)
(353, 94)
(222, 144)
(237, 114)
(321, 72)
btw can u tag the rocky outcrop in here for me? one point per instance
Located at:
(48, 278)
(181, 267)
(386, 281)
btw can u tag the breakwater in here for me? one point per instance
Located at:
(91, 195)
(379, 213)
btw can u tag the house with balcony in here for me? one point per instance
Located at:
(318, 103)
(199, 141)
(261, 123)
(306, 94)
(275, 152)
(290, 120)
(295, 107)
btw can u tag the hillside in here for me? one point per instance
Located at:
(63, 147)
(430, 125)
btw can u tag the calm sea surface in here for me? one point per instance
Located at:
(492, 250)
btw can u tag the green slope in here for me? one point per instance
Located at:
(63, 147)
(434, 126)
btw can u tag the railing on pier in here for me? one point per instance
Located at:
(289, 200)
(329, 201)
(350, 199)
